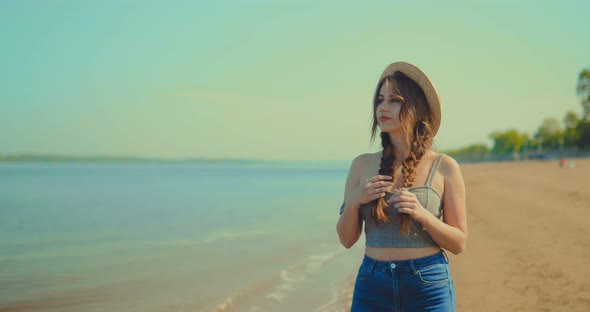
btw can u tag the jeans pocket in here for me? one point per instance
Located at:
(434, 274)
(363, 273)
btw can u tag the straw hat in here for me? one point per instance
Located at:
(424, 82)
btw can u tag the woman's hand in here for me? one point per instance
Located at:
(406, 202)
(370, 190)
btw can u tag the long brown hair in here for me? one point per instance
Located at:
(415, 116)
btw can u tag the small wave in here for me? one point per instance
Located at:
(276, 296)
(278, 287)
(241, 298)
(318, 261)
(341, 297)
(226, 305)
(294, 275)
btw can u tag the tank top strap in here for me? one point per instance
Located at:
(433, 170)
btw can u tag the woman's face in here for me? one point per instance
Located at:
(387, 111)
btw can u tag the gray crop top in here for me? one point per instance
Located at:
(388, 234)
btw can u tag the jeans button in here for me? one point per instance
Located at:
(393, 265)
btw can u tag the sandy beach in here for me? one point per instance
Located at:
(529, 238)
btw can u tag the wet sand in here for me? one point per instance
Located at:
(529, 238)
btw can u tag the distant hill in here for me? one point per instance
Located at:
(64, 158)
(37, 158)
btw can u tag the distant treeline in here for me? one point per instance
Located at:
(573, 137)
(550, 140)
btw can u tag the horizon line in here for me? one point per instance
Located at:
(64, 157)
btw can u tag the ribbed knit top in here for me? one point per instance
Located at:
(388, 234)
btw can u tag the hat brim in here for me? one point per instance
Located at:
(432, 96)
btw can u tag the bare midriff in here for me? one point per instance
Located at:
(393, 253)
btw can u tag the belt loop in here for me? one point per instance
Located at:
(373, 267)
(445, 254)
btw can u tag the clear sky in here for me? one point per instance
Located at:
(280, 80)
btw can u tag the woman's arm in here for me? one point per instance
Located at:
(450, 234)
(350, 225)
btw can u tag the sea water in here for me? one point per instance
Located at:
(173, 237)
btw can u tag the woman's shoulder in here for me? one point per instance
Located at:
(449, 166)
(360, 163)
(366, 158)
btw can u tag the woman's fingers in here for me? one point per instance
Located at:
(378, 184)
(377, 190)
(375, 196)
(380, 177)
(400, 198)
(405, 207)
(409, 205)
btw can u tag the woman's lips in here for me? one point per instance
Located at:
(384, 119)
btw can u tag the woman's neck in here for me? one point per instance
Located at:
(400, 146)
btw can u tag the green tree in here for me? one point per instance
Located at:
(570, 133)
(583, 135)
(508, 141)
(583, 90)
(550, 133)
(471, 152)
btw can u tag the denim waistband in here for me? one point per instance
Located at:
(405, 265)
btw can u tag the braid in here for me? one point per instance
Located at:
(421, 141)
(418, 148)
(385, 168)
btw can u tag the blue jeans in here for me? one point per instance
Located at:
(422, 284)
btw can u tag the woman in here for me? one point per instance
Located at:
(411, 199)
